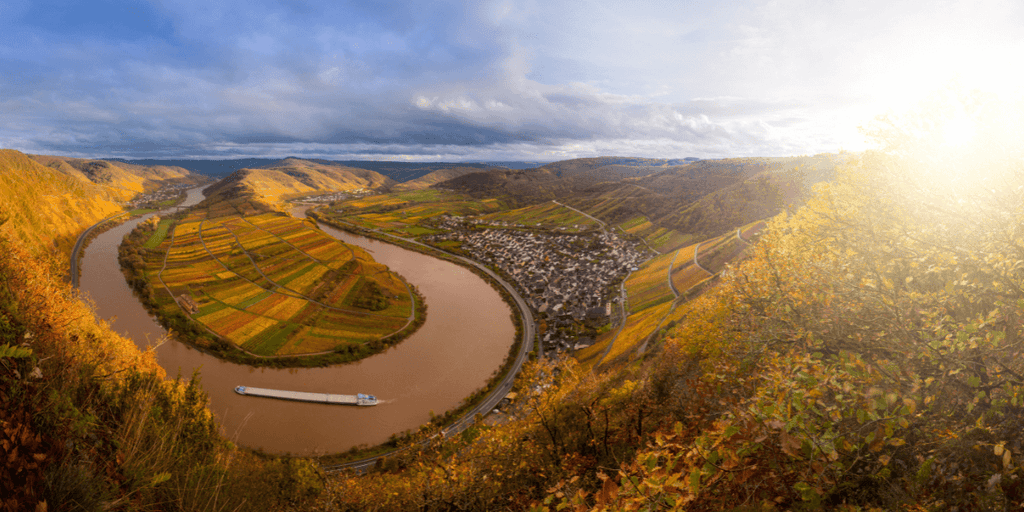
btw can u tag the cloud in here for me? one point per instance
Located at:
(465, 80)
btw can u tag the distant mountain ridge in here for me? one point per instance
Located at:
(398, 171)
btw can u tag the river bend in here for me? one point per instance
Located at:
(468, 332)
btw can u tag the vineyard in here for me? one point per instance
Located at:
(649, 286)
(409, 213)
(275, 285)
(546, 215)
(659, 238)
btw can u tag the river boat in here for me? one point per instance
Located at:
(303, 396)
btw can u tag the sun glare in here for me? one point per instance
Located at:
(958, 132)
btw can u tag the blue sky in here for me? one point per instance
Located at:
(483, 80)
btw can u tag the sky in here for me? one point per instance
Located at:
(483, 80)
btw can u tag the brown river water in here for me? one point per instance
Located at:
(467, 334)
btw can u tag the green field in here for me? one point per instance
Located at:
(161, 233)
(263, 281)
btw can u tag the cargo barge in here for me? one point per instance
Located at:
(302, 396)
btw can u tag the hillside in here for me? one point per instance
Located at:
(293, 178)
(676, 195)
(121, 181)
(522, 186)
(435, 177)
(555, 179)
(89, 421)
(45, 209)
(705, 198)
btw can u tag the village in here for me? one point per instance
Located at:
(152, 199)
(334, 196)
(566, 278)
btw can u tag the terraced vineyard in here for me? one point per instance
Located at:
(275, 285)
(716, 253)
(547, 215)
(659, 238)
(686, 274)
(652, 302)
(649, 286)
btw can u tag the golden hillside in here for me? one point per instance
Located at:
(293, 178)
(46, 208)
(89, 421)
(121, 181)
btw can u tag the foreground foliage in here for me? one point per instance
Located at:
(868, 355)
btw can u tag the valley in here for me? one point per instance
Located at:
(626, 320)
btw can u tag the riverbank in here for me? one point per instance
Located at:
(320, 318)
(483, 400)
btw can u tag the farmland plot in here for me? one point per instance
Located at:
(253, 280)
(649, 286)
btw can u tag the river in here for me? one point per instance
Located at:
(467, 334)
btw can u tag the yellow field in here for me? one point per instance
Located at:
(649, 285)
(212, 318)
(638, 327)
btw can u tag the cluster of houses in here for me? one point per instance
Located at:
(152, 198)
(565, 278)
(335, 196)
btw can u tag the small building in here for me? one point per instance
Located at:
(186, 303)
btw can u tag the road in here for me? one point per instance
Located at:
(81, 242)
(696, 251)
(503, 387)
(604, 227)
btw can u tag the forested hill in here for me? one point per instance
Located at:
(436, 177)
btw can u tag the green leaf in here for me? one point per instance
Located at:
(15, 352)
(730, 431)
(160, 478)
